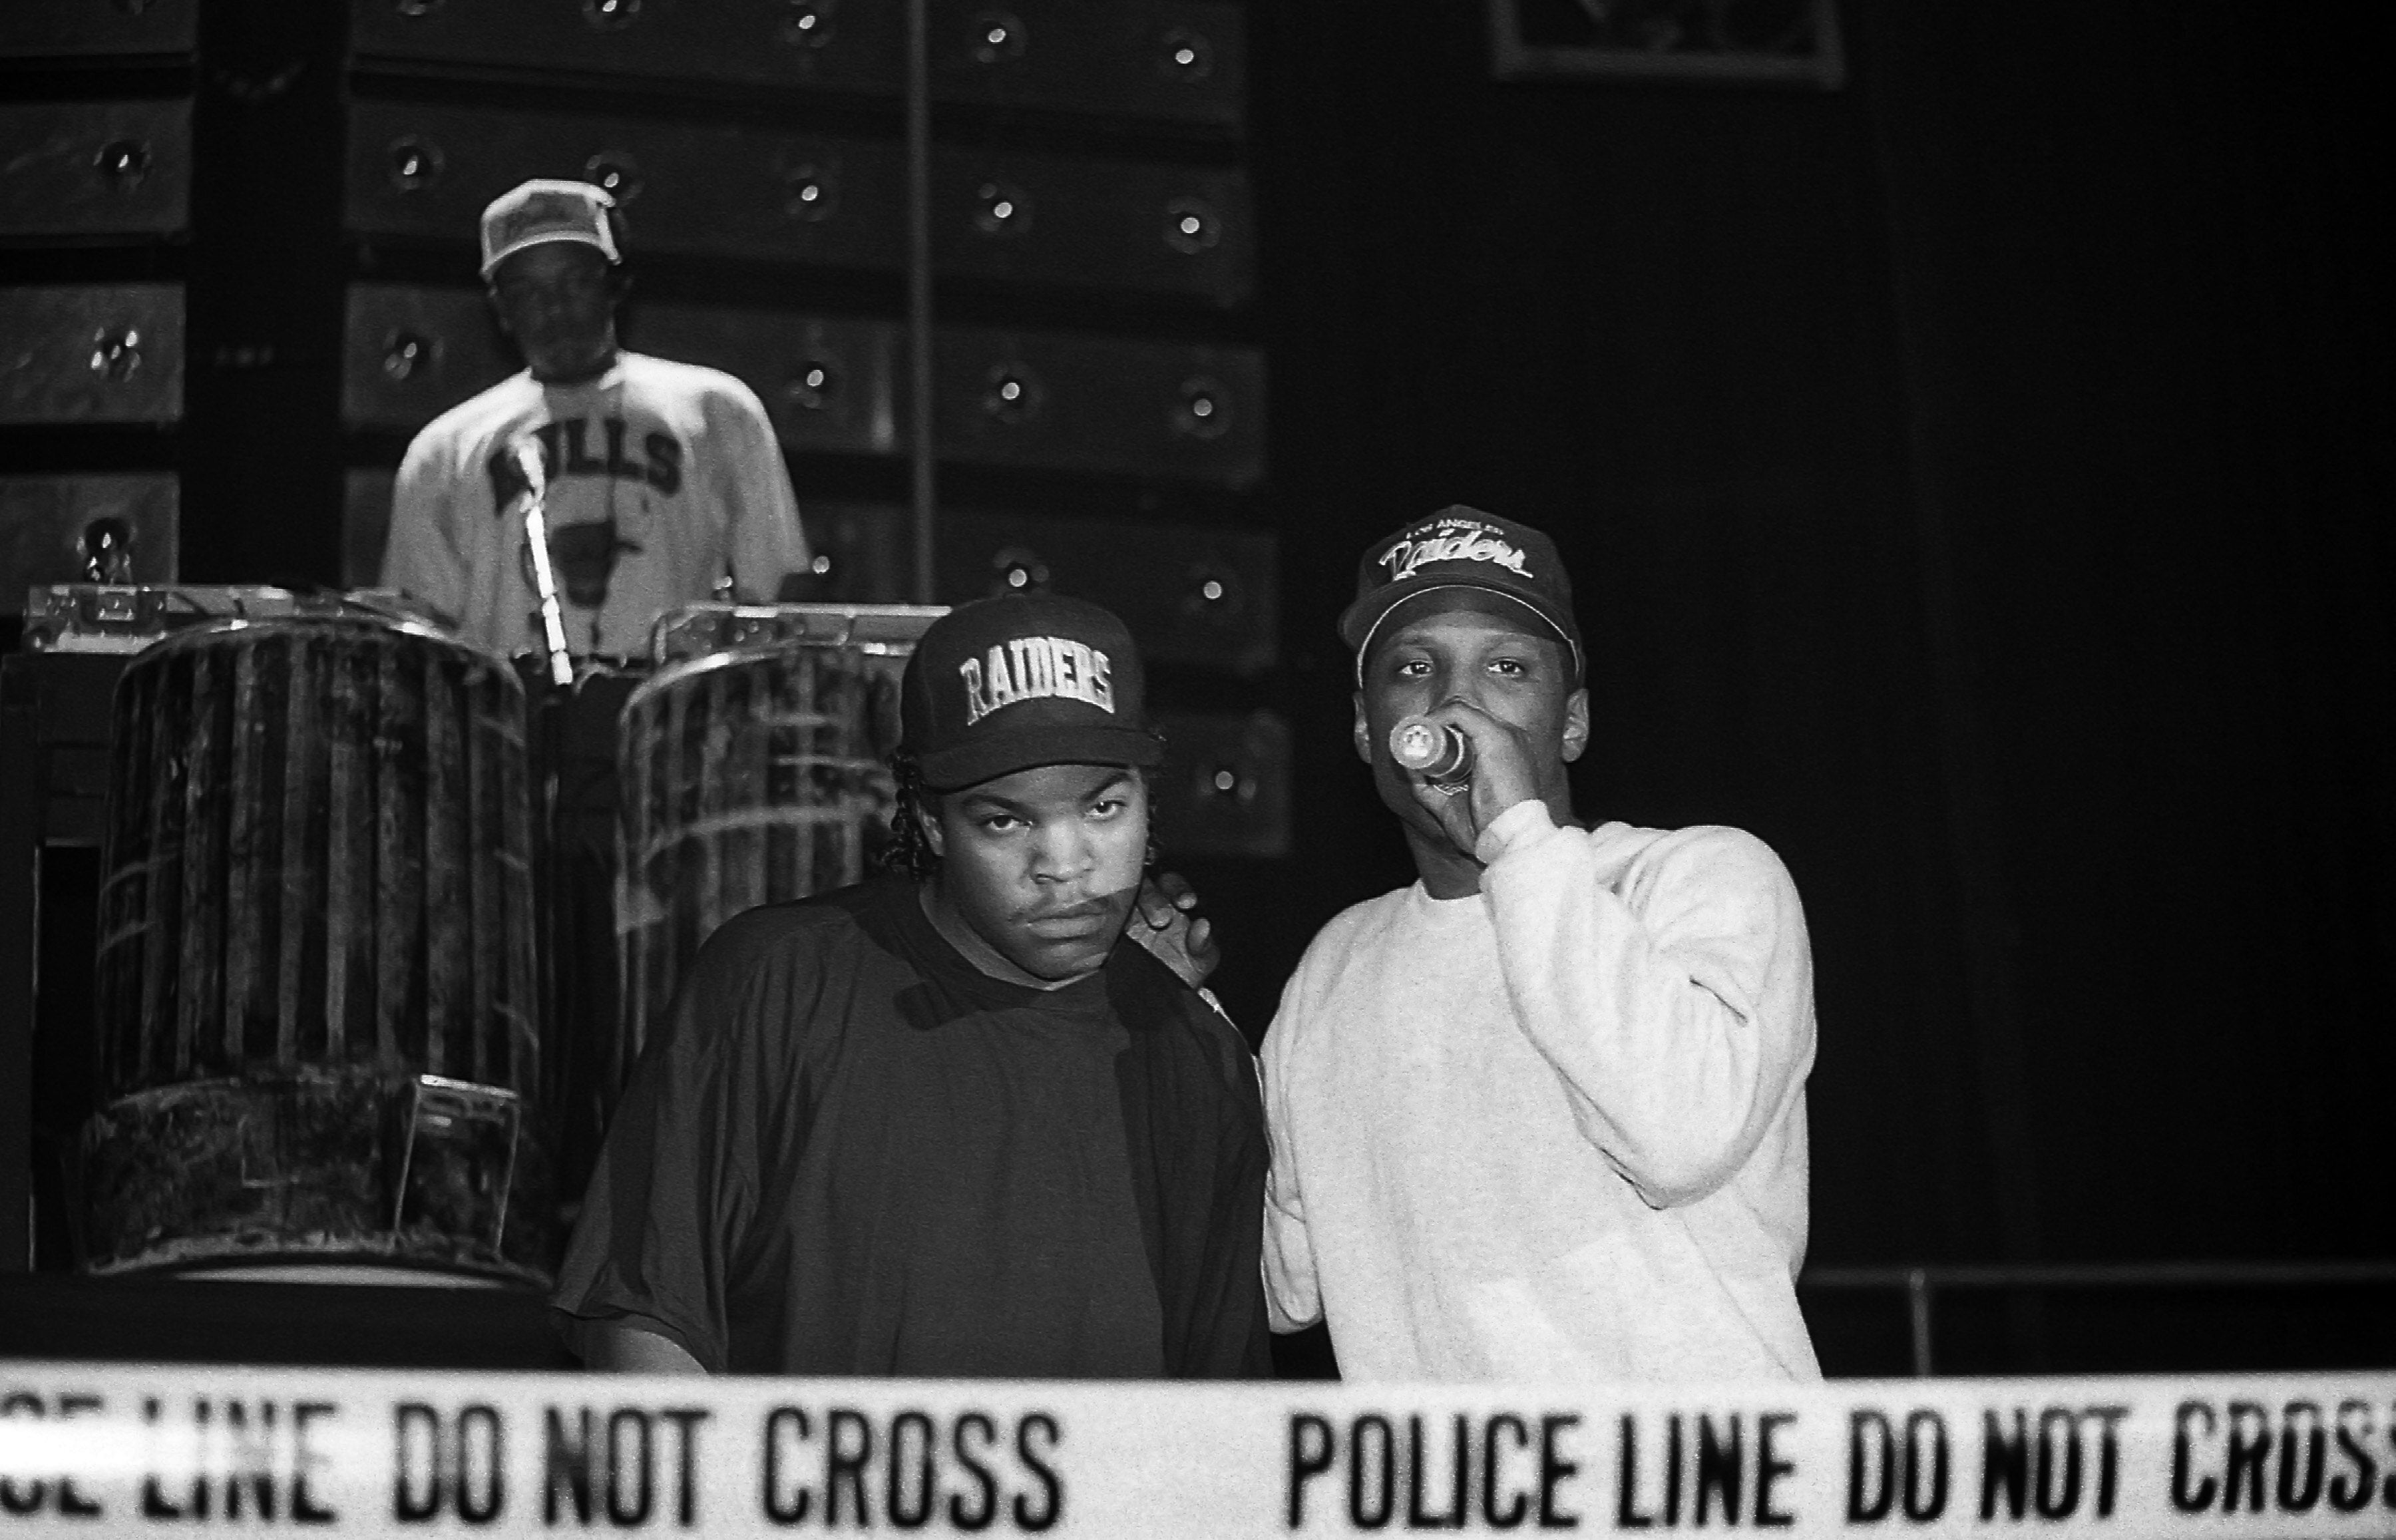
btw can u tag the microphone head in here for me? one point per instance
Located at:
(1431, 748)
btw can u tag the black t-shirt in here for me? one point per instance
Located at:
(853, 1152)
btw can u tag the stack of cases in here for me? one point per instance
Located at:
(95, 210)
(95, 108)
(1098, 420)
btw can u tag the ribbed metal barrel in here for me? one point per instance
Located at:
(745, 778)
(316, 990)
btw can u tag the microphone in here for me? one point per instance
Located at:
(527, 455)
(1433, 749)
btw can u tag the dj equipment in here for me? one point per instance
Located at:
(702, 631)
(126, 618)
(316, 1002)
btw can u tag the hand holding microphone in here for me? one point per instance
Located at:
(1466, 765)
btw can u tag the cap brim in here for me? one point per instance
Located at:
(547, 237)
(1030, 748)
(1385, 608)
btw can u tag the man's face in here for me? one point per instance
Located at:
(1041, 865)
(1495, 663)
(555, 299)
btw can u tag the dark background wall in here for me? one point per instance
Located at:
(1975, 481)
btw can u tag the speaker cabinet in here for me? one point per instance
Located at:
(102, 353)
(82, 169)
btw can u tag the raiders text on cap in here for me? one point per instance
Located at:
(1031, 668)
(1452, 541)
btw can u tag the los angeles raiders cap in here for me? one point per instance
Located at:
(1461, 558)
(1023, 680)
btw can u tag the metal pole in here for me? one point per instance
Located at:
(544, 580)
(919, 289)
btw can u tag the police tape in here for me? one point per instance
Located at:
(112, 1450)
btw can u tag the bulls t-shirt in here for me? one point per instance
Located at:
(662, 479)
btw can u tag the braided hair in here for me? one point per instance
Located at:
(909, 849)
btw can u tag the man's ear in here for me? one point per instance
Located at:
(928, 818)
(498, 312)
(1575, 724)
(1363, 731)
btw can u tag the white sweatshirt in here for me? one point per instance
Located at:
(1555, 1130)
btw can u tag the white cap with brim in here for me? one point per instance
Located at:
(544, 210)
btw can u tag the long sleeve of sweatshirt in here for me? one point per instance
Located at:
(1293, 1291)
(1668, 981)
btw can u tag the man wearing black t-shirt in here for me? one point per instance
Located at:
(949, 1121)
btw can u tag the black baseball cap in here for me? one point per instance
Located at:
(1023, 680)
(1465, 559)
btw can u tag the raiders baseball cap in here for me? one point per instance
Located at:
(544, 210)
(1022, 680)
(1461, 558)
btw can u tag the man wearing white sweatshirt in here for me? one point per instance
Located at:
(1541, 1115)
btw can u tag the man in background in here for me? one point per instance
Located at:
(664, 480)
(1541, 1115)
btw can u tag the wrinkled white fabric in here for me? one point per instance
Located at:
(1555, 1130)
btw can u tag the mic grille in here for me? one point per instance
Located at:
(1432, 748)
